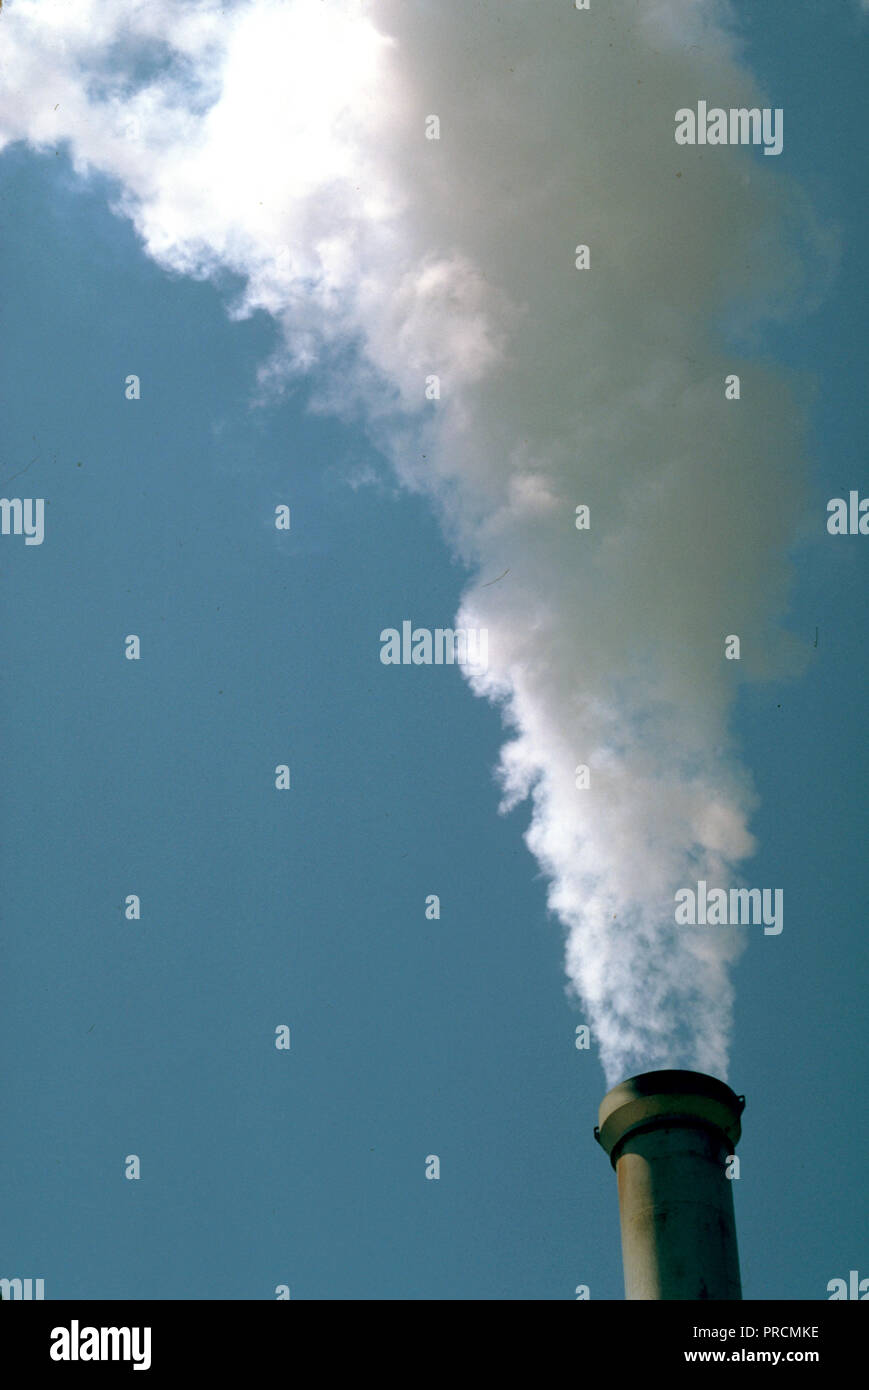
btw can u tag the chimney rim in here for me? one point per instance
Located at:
(672, 1098)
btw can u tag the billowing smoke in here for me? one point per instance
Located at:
(285, 140)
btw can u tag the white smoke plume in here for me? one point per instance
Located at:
(284, 140)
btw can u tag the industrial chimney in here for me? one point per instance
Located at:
(668, 1135)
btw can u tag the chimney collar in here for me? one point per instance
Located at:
(657, 1099)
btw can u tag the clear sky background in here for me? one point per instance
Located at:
(409, 1037)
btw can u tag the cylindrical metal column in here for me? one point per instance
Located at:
(668, 1135)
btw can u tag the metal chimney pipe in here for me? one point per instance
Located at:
(668, 1135)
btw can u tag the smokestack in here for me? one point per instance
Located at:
(668, 1135)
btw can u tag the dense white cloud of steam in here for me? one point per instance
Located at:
(285, 141)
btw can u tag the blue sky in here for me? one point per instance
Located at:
(409, 1037)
